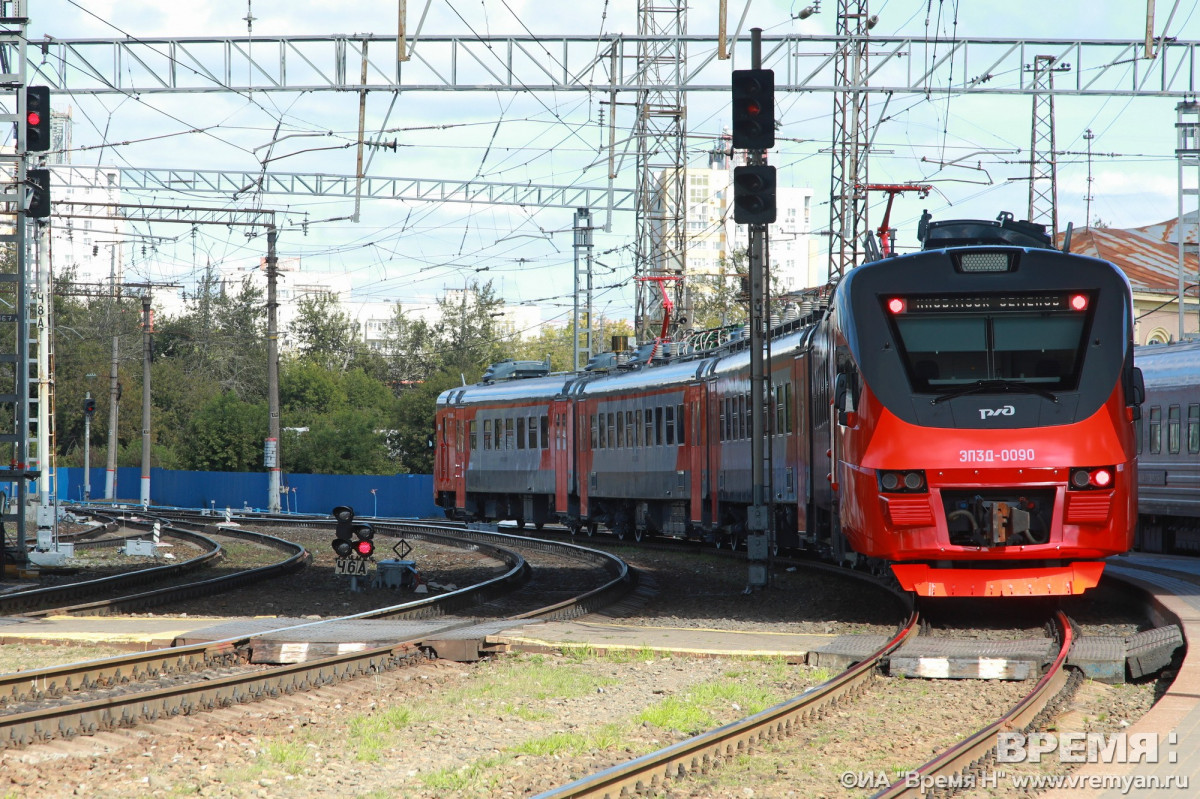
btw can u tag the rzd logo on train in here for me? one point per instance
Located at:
(987, 413)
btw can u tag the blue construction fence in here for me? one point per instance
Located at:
(369, 495)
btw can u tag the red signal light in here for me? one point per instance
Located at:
(34, 118)
(1101, 478)
(896, 305)
(1079, 302)
(365, 548)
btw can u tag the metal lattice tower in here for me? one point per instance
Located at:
(1043, 166)
(847, 199)
(661, 131)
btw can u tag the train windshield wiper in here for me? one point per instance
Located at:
(995, 386)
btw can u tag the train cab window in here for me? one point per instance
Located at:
(945, 350)
(487, 434)
(595, 433)
(521, 432)
(546, 432)
(1193, 427)
(472, 435)
(612, 432)
(620, 429)
(603, 431)
(509, 429)
(670, 424)
(1155, 430)
(649, 427)
(1173, 429)
(533, 432)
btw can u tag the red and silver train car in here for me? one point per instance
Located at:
(964, 414)
(1169, 449)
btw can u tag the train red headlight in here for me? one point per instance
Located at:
(1079, 302)
(1092, 478)
(896, 305)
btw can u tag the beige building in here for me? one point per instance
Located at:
(1149, 256)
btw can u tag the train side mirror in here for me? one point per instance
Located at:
(1136, 394)
(843, 400)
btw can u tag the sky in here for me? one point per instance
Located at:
(412, 252)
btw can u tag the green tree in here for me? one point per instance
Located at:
(226, 435)
(413, 423)
(466, 332)
(325, 334)
(343, 442)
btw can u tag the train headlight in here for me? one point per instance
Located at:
(1091, 478)
(910, 482)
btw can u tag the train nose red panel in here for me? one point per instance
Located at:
(913, 511)
(927, 581)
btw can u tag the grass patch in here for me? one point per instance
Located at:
(472, 775)
(289, 756)
(643, 655)
(40, 656)
(525, 713)
(522, 681)
(573, 743)
(674, 713)
(371, 734)
(578, 653)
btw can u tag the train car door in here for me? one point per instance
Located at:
(560, 411)
(696, 424)
(461, 454)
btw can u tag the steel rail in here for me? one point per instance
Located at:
(697, 753)
(42, 601)
(26, 727)
(57, 680)
(623, 579)
(978, 748)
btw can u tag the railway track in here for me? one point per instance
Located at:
(65, 599)
(701, 752)
(57, 702)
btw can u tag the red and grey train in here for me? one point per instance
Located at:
(964, 414)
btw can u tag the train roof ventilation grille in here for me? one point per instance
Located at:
(984, 262)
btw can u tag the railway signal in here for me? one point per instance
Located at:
(89, 407)
(754, 194)
(37, 118)
(38, 186)
(354, 543)
(753, 109)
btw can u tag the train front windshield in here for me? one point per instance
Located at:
(952, 343)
